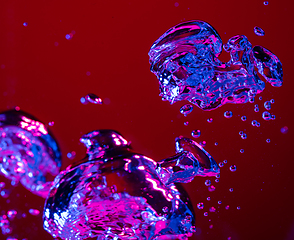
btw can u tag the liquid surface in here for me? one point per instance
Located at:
(185, 61)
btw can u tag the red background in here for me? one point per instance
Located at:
(46, 75)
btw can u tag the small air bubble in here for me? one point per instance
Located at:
(200, 205)
(284, 129)
(219, 202)
(221, 164)
(228, 114)
(211, 188)
(216, 143)
(205, 214)
(243, 118)
(233, 168)
(69, 36)
(268, 140)
(238, 208)
(254, 123)
(231, 189)
(34, 212)
(267, 105)
(186, 109)
(51, 123)
(227, 207)
(203, 143)
(208, 198)
(225, 161)
(196, 133)
(266, 116)
(265, 3)
(71, 155)
(186, 123)
(260, 98)
(207, 182)
(259, 31)
(209, 120)
(244, 136)
(241, 150)
(212, 209)
(25, 24)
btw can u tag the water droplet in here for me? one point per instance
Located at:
(265, 3)
(25, 24)
(284, 129)
(186, 123)
(243, 118)
(267, 105)
(238, 207)
(244, 136)
(266, 116)
(208, 198)
(34, 212)
(51, 123)
(212, 209)
(221, 164)
(200, 205)
(227, 207)
(186, 109)
(207, 182)
(205, 214)
(268, 140)
(241, 150)
(228, 114)
(211, 188)
(233, 168)
(219, 202)
(231, 189)
(259, 31)
(209, 120)
(196, 133)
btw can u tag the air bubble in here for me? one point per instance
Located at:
(211, 188)
(284, 129)
(267, 105)
(243, 118)
(186, 123)
(241, 150)
(225, 161)
(221, 164)
(254, 123)
(231, 189)
(11, 214)
(241, 133)
(200, 205)
(205, 214)
(219, 202)
(34, 212)
(272, 101)
(233, 168)
(207, 182)
(256, 109)
(71, 155)
(265, 3)
(203, 143)
(216, 143)
(238, 208)
(25, 24)
(228, 114)
(208, 198)
(69, 36)
(266, 116)
(212, 209)
(244, 136)
(51, 123)
(268, 140)
(186, 109)
(196, 133)
(209, 120)
(259, 31)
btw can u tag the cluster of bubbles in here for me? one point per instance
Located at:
(185, 61)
